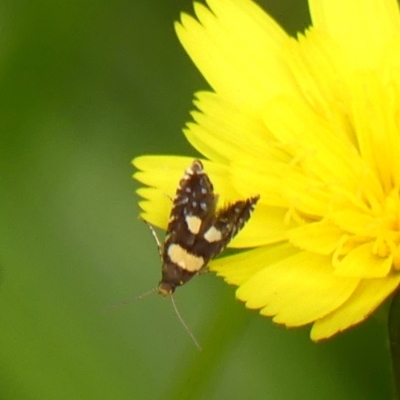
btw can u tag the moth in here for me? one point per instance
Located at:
(197, 230)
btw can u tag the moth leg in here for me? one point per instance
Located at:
(204, 270)
(169, 197)
(153, 232)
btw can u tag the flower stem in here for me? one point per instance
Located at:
(394, 338)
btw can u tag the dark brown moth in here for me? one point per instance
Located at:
(197, 231)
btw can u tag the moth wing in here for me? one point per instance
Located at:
(222, 228)
(193, 207)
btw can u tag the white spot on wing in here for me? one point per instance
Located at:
(185, 260)
(193, 224)
(213, 235)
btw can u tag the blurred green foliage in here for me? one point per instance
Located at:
(84, 87)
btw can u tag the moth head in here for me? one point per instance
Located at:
(166, 289)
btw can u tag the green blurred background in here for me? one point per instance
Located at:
(85, 86)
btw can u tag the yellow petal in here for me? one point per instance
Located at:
(165, 172)
(374, 111)
(224, 132)
(156, 216)
(362, 263)
(281, 185)
(237, 268)
(161, 172)
(331, 158)
(365, 299)
(266, 225)
(225, 45)
(361, 27)
(297, 290)
(321, 237)
(356, 223)
(320, 68)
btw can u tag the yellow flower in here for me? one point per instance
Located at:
(312, 125)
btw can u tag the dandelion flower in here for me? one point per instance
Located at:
(312, 125)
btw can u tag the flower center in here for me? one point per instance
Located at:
(372, 238)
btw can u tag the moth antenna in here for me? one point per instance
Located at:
(153, 232)
(128, 301)
(196, 343)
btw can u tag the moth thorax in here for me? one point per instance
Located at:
(166, 289)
